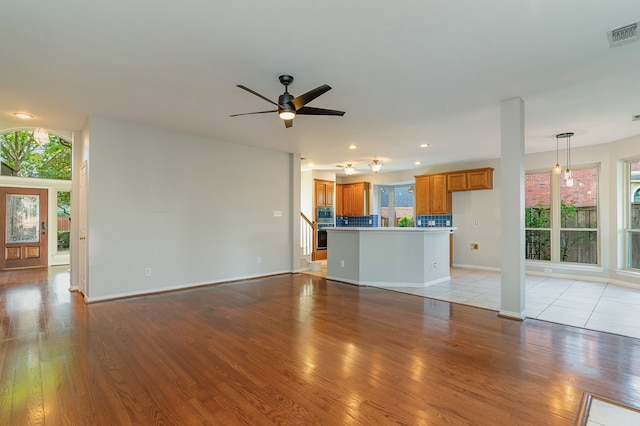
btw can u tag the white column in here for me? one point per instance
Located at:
(512, 208)
(294, 210)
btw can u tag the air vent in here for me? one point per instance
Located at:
(623, 35)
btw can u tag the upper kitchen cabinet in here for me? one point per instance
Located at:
(352, 199)
(324, 193)
(431, 195)
(470, 180)
(339, 197)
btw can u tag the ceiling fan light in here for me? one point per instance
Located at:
(40, 135)
(287, 114)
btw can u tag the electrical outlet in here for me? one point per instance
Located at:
(419, 222)
(147, 272)
(548, 270)
(259, 260)
(448, 223)
(434, 265)
(342, 263)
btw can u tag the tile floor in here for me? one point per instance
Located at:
(603, 413)
(595, 306)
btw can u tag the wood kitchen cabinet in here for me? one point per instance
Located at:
(480, 179)
(352, 199)
(470, 180)
(431, 195)
(324, 193)
(339, 203)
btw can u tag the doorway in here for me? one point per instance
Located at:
(24, 216)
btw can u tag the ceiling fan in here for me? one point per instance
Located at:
(289, 107)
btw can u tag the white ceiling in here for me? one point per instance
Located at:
(405, 72)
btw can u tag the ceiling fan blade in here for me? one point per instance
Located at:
(251, 113)
(288, 123)
(319, 111)
(257, 94)
(302, 100)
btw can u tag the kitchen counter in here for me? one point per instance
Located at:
(389, 257)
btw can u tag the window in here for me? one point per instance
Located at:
(396, 205)
(632, 230)
(22, 156)
(538, 216)
(561, 221)
(64, 220)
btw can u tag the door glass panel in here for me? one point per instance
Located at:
(23, 217)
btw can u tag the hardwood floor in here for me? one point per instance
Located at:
(291, 349)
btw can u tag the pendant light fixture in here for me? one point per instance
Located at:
(375, 166)
(558, 168)
(568, 179)
(40, 135)
(349, 169)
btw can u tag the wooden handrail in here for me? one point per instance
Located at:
(306, 219)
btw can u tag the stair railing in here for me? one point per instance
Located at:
(307, 235)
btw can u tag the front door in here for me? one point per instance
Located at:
(24, 233)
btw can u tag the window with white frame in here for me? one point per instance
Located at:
(561, 217)
(632, 230)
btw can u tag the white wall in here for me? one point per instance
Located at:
(306, 195)
(194, 210)
(477, 215)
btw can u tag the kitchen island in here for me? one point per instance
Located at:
(388, 257)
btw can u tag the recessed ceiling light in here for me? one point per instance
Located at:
(23, 115)
(424, 145)
(352, 146)
(417, 163)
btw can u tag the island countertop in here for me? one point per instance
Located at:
(396, 229)
(388, 257)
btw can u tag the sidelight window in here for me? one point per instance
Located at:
(632, 226)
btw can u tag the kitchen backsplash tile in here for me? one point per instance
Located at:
(370, 221)
(423, 221)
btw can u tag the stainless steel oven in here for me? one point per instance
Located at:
(321, 240)
(321, 237)
(324, 215)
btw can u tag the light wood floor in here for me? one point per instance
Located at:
(291, 349)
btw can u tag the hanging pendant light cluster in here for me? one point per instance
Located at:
(568, 178)
(40, 135)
